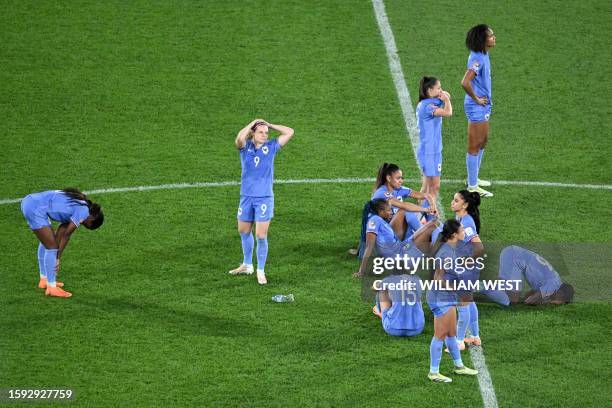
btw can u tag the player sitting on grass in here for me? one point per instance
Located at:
(387, 234)
(516, 263)
(398, 304)
(442, 302)
(389, 187)
(70, 208)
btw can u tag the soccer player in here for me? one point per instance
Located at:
(477, 85)
(465, 206)
(434, 104)
(257, 154)
(70, 208)
(389, 187)
(442, 302)
(516, 263)
(398, 304)
(387, 234)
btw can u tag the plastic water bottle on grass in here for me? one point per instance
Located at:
(283, 298)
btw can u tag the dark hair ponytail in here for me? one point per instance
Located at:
(75, 194)
(385, 170)
(426, 83)
(473, 200)
(95, 211)
(450, 227)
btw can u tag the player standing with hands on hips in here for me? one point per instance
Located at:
(257, 154)
(477, 85)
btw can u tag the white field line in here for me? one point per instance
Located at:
(484, 378)
(178, 186)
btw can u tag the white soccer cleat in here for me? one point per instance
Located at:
(437, 377)
(261, 278)
(242, 270)
(481, 183)
(481, 191)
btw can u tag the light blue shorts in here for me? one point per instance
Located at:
(477, 113)
(253, 209)
(431, 164)
(34, 213)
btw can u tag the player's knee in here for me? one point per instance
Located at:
(261, 236)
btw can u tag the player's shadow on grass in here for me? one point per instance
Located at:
(169, 319)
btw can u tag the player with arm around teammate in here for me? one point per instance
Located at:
(257, 153)
(70, 208)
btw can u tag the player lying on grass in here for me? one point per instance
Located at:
(434, 104)
(398, 304)
(257, 155)
(546, 287)
(70, 208)
(442, 302)
(387, 234)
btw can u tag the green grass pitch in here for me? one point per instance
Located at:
(118, 94)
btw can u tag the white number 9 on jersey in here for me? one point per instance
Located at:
(256, 160)
(263, 209)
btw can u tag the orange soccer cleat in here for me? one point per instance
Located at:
(57, 292)
(42, 284)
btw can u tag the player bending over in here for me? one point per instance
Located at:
(516, 263)
(70, 208)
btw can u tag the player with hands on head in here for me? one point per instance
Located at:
(257, 153)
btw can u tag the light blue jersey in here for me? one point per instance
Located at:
(412, 220)
(430, 127)
(481, 84)
(258, 168)
(405, 316)
(516, 262)
(382, 193)
(440, 301)
(387, 244)
(40, 208)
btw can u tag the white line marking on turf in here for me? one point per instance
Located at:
(397, 74)
(484, 378)
(177, 186)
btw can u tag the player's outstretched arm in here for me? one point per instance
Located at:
(286, 133)
(244, 133)
(62, 236)
(370, 243)
(410, 207)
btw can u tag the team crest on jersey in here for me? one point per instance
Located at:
(389, 194)
(264, 149)
(476, 65)
(371, 224)
(469, 232)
